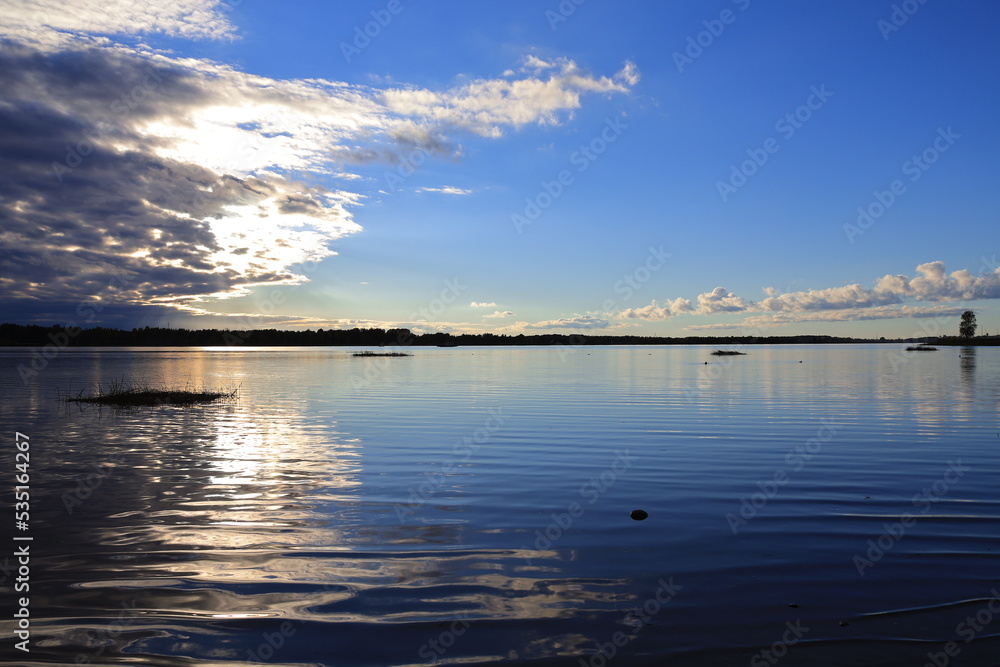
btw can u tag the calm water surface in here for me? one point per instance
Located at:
(471, 506)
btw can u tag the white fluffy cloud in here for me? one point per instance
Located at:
(482, 304)
(486, 106)
(656, 312)
(932, 283)
(833, 298)
(721, 300)
(497, 314)
(886, 300)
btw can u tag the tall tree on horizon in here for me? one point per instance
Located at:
(967, 329)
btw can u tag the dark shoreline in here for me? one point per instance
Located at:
(21, 335)
(978, 341)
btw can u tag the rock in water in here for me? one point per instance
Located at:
(638, 515)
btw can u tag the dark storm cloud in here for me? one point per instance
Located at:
(108, 313)
(83, 195)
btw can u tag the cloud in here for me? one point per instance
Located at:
(485, 106)
(575, 322)
(720, 300)
(448, 190)
(886, 300)
(931, 284)
(179, 174)
(536, 64)
(748, 324)
(655, 312)
(629, 73)
(55, 20)
(718, 326)
(113, 204)
(498, 314)
(482, 304)
(833, 298)
(934, 284)
(851, 315)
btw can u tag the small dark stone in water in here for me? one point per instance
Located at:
(638, 515)
(794, 606)
(843, 624)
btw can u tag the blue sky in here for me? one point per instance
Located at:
(633, 168)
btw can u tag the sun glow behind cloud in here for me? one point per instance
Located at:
(206, 161)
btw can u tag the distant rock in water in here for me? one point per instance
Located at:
(638, 515)
(728, 353)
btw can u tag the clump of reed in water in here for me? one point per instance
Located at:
(125, 394)
(381, 354)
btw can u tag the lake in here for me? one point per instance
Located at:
(807, 505)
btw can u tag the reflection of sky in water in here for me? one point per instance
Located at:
(218, 521)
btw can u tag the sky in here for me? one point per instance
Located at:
(716, 167)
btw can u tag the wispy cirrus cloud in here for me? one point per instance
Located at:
(447, 190)
(577, 322)
(49, 21)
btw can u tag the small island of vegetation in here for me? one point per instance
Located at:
(728, 353)
(381, 354)
(124, 394)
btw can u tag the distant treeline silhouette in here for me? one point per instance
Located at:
(36, 335)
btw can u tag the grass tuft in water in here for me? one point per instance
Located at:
(125, 394)
(382, 354)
